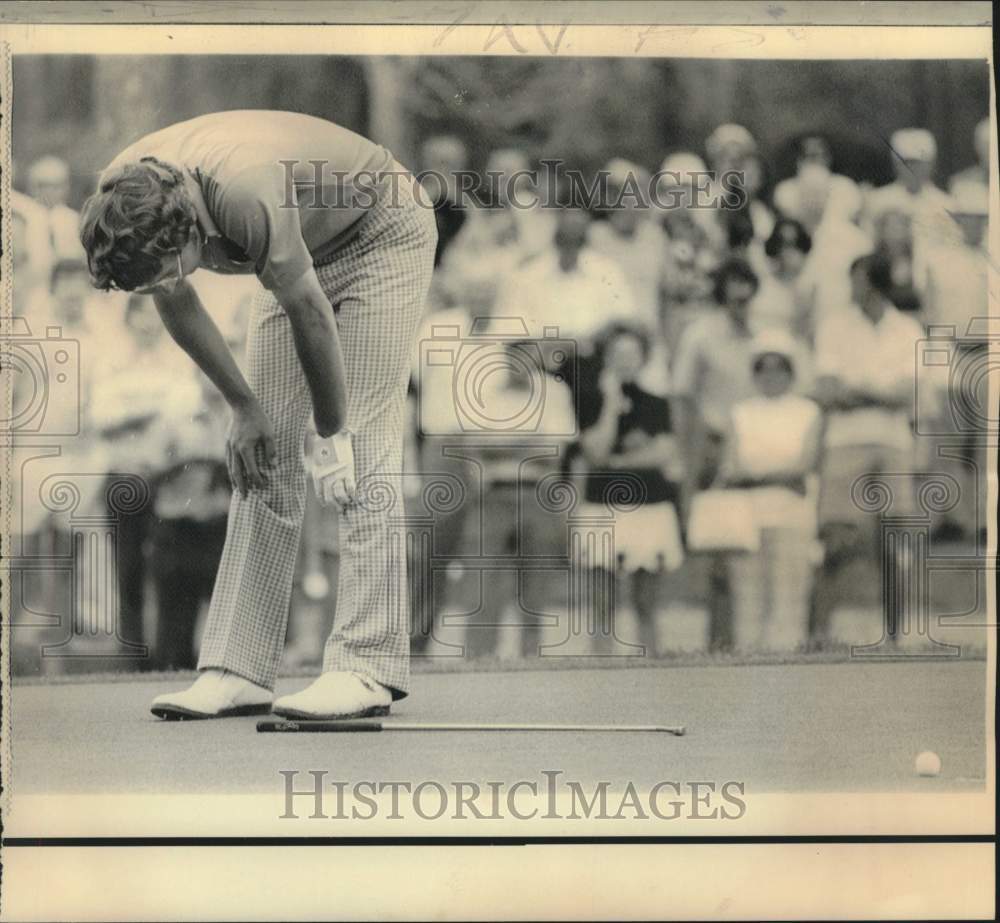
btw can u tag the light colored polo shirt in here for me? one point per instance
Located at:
(263, 205)
(642, 257)
(713, 367)
(843, 199)
(957, 287)
(578, 303)
(836, 245)
(880, 357)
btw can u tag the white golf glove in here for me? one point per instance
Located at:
(330, 461)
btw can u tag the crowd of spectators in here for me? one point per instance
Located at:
(751, 358)
(143, 410)
(743, 362)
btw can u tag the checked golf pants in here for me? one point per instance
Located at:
(377, 284)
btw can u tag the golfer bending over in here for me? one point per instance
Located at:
(328, 222)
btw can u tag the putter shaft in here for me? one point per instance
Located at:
(347, 727)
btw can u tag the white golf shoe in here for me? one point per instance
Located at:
(337, 695)
(214, 694)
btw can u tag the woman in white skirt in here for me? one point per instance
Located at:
(772, 454)
(633, 467)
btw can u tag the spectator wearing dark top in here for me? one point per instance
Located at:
(628, 444)
(442, 158)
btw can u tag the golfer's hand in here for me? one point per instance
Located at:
(330, 461)
(250, 449)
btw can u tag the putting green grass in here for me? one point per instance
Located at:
(805, 726)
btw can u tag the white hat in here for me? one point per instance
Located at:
(970, 198)
(914, 144)
(730, 135)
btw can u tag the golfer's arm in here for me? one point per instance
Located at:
(195, 332)
(317, 344)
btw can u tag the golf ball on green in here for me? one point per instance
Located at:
(928, 763)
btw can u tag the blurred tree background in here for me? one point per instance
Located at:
(583, 110)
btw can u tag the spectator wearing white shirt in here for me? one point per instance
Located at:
(828, 205)
(712, 371)
(134, 389)
(914, 157)
(683, 202)
(146, 345)
(712, 368)
(48, 184)
(569, 287)
(816, 194)
(25, 278)
(65, 301)
(91, 318)
(481, 259)
(957, 307)
(630, 237)
(957, 283)
(835, 246)
(536, 408)
(787, 294)
(32, 247)
(772, 452)
(865, 365)
(511, 184)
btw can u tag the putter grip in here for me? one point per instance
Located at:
(345, 727)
